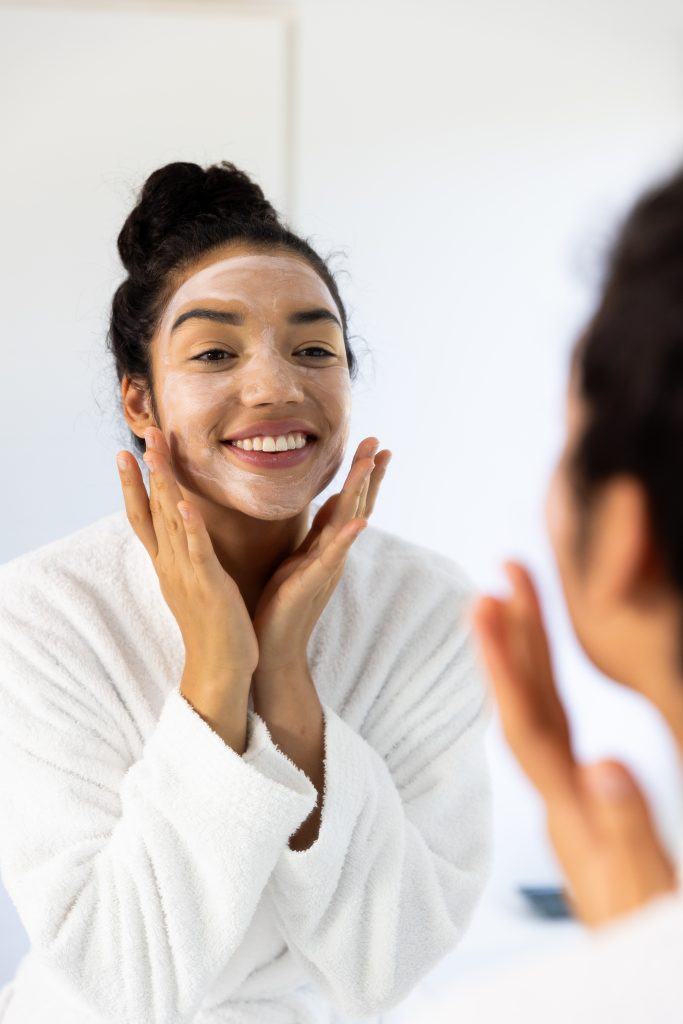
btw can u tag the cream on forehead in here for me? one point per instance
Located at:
(234, 277)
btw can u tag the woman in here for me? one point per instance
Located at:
(614, 513)
(251, 744)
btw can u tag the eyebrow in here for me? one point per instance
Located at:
(224, 316)
(311, 316)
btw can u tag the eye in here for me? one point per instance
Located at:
(213, 351)
(315, 352)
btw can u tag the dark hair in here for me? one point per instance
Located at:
(184, 211)
(629, 369)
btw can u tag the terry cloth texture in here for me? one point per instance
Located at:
(149, 862)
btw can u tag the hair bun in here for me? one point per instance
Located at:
(175, 197)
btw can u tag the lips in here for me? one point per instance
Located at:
(271, 460)
(273, 428)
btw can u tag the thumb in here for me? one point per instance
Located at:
(641, 867)
(618, 802)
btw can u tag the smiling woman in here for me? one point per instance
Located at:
(251, 738)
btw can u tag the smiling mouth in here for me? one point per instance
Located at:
(272, 453)
(273, 443)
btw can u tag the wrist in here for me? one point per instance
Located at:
(218, 685)
(290, 672)
(223, 705)
(285, 692)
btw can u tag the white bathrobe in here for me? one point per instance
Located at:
(149, 862)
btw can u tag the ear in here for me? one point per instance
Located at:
(137, 405)
(625, 556)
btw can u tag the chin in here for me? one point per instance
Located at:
(273, 515)
(269, 509)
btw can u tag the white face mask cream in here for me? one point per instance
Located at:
(252, 384)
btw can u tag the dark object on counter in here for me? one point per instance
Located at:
(547, 900)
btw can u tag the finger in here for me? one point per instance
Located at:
(543, 755)
(367, 447)
(164, 497)
(200, 549)
(136, 501)
(349, 497)
(330, 559)
(359, 508)
(535, 649)
(320, 521)
(524, 586)
(627, 832)
(382, 460)
(619, 804)
(365, 450)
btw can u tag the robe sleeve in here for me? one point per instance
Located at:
(403, 850)
(135, 877)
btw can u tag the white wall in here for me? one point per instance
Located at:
(471, 158)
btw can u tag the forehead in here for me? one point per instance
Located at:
(271, 280)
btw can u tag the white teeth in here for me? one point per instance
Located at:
(282, 443)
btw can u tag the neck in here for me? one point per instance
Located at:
(249, 549)
(651, 661)
(672, 712)
(664, 689)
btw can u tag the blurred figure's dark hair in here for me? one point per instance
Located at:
(629, 369)
(183, 212)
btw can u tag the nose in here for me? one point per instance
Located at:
(269, 379)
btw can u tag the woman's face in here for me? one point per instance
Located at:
(252, 383)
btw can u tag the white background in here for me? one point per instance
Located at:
(471, 160)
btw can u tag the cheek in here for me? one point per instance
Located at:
(554, 513)
(191, 403)
(331, 390)
(560, 523)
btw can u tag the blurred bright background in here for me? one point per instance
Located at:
(466, 164)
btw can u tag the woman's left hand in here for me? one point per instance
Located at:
(598, 819)
(296, 594)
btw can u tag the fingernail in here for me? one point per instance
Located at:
(121, 462)
(149, 438)
(607, 782)
(149, 463)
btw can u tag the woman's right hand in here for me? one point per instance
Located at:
(598, 819)
(221, 649)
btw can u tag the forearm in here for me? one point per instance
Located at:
(289, 705)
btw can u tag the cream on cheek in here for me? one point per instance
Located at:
(200, 405)
(194, 403)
